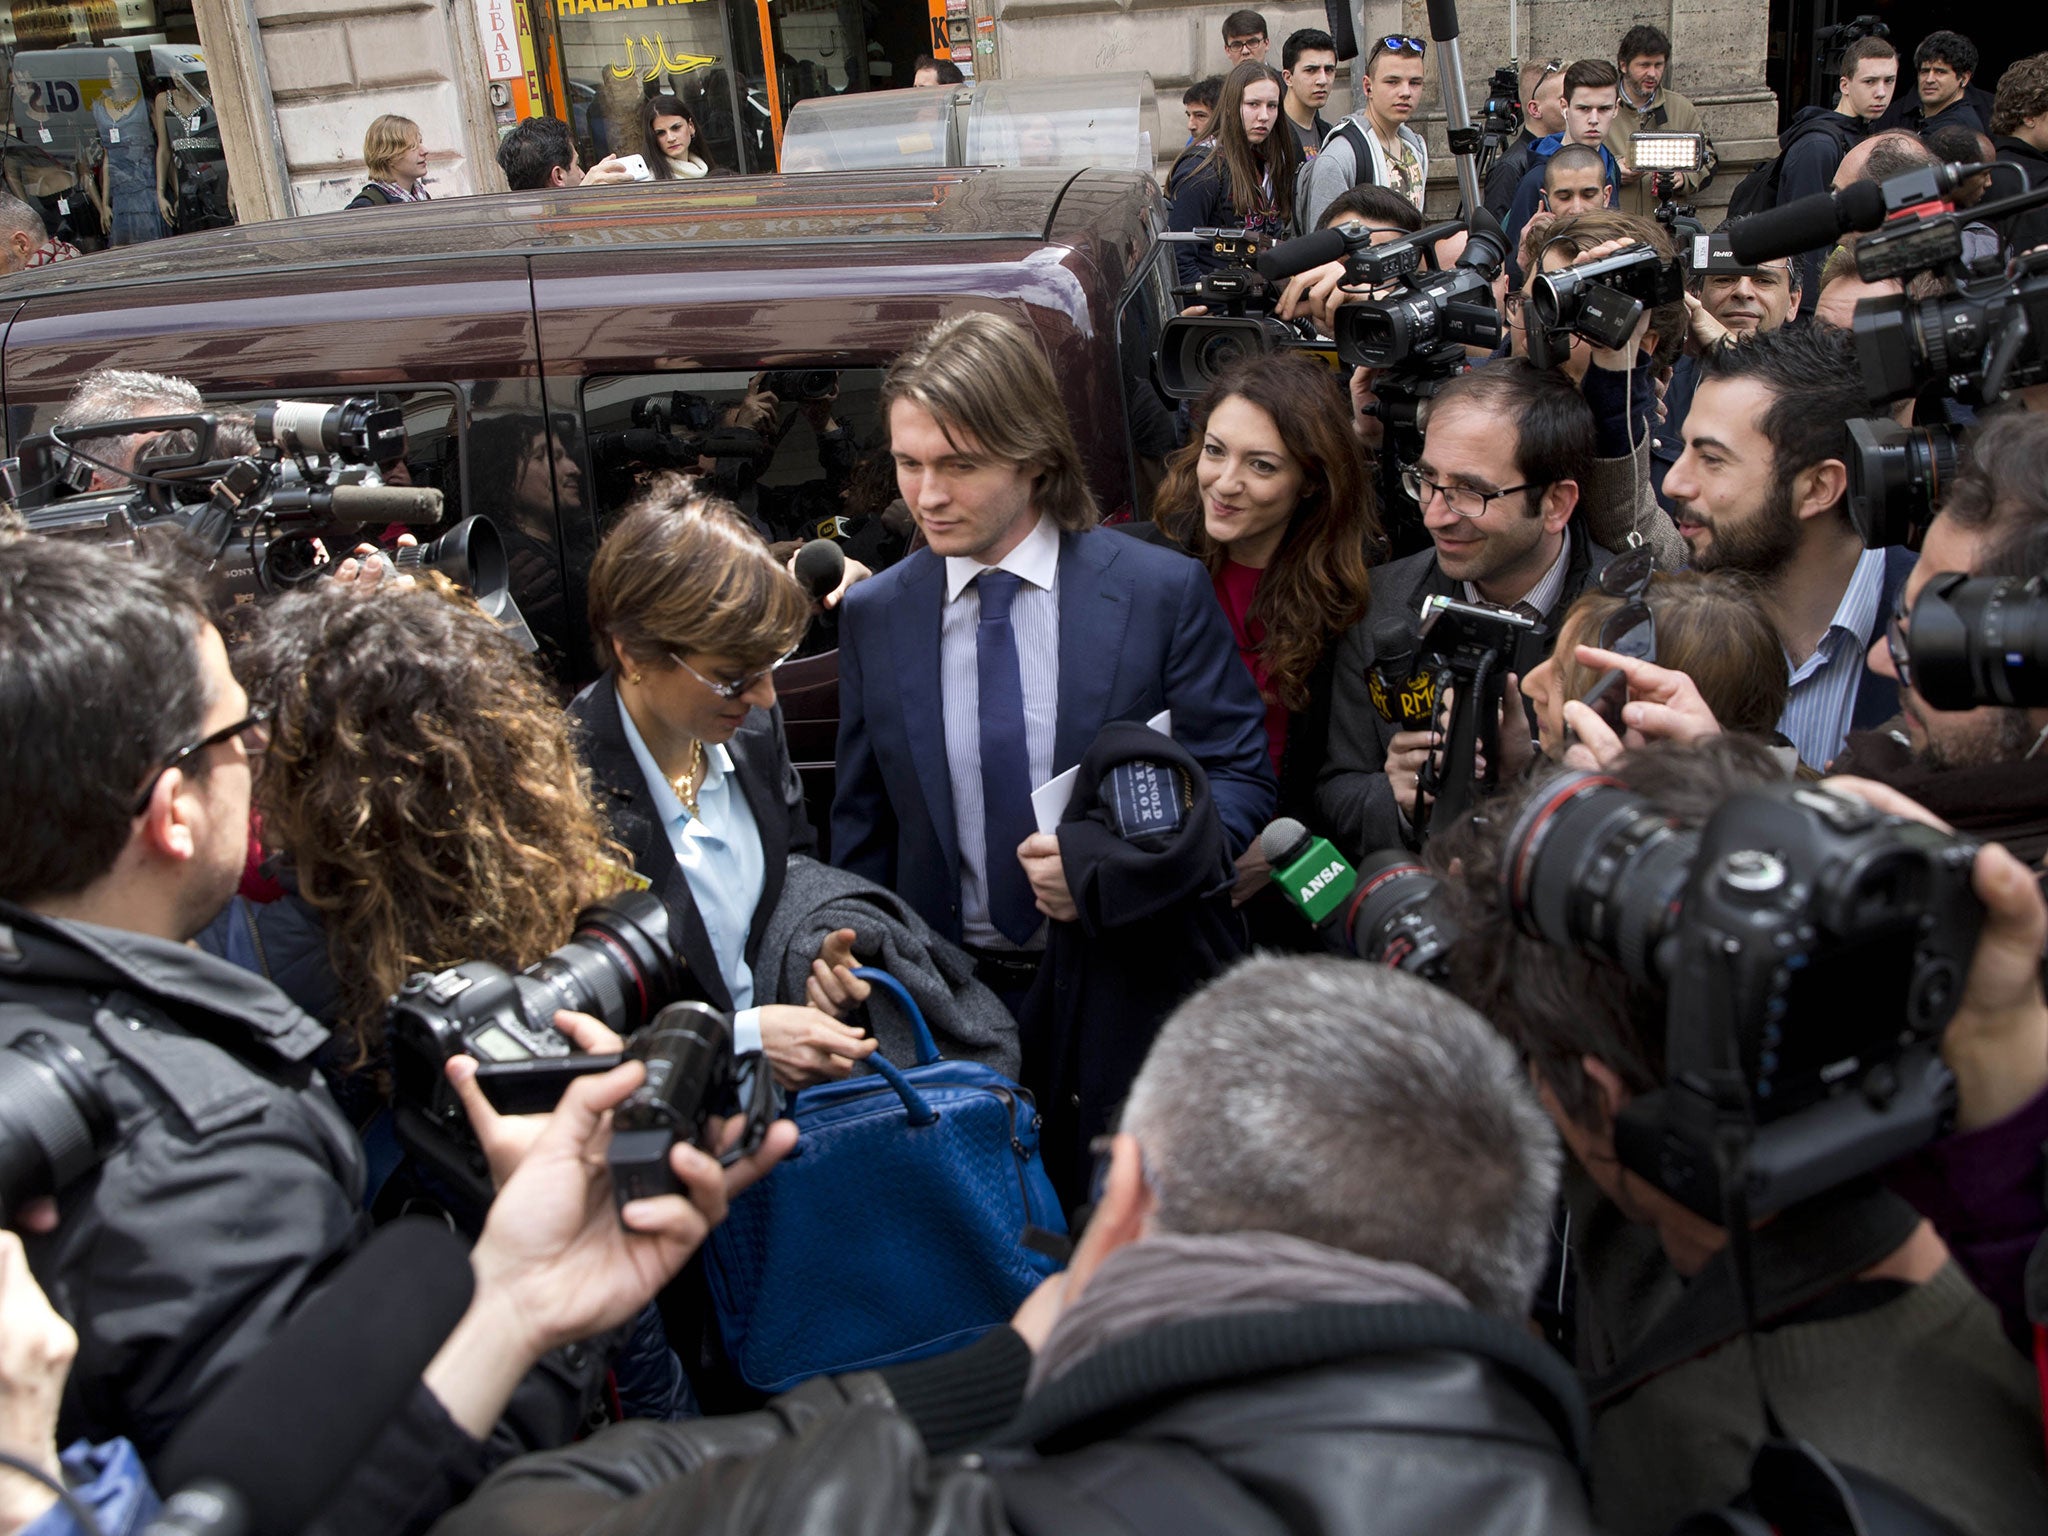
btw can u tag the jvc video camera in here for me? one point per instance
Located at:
(1810, 949)
(1603, 300)
(1433, 313)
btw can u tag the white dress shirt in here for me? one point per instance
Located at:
(1035, 620)
(719, 851)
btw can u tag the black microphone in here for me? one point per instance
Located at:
(820, 566)
(1290, 258)
(286, 1428)
(1405, 700)
(1806, 224)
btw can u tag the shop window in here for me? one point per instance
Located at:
(111, 131)
(803, 452)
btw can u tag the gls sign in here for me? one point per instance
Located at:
(53, 95)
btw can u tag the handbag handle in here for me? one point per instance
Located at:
(927, 1047)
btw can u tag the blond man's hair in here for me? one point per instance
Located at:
(389, 137)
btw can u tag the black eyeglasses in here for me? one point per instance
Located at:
(256, 732)
(1461, 499)
(1632, 629)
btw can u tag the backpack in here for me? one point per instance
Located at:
(372, 196)
(1759, 189)
(1361, 158)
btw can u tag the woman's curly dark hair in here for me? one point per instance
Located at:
(422, 781)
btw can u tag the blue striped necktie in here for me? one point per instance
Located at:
(1005, 759)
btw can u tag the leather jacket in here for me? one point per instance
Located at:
(1338, 1419)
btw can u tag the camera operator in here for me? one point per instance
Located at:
(1761, 490)
(1542, 117)
(121, 394)
(1975, 768)
(227, 1183)
(1872, 1345)
(1499, 506)
(1299, 1298)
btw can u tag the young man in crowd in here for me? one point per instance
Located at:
(1199, 102)
(1505, 454)
(1542, 117)
(1374, 143)
(1576, 180)
(1273, 1320)
(1760, 489)
(1308, 62)
(1592, 93)
(1647, 106)
(539, 153)
(2019, 128)
(929, 72)
(976, 669)
(1813, 145)
(1244, 37)
(1943, 64)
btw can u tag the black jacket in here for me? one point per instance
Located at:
(766, 776)
(234, 1184)
(1324, 1421)
(1505, 179)
(2024, 231)
(1354, 801)
(1155, 923)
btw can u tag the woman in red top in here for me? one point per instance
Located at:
(1273, 496)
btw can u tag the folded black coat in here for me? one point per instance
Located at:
(1155, 923)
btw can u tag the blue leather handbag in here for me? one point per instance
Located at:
(895, 1230)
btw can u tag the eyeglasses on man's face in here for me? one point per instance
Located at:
(1461, 499)
(733, 689)
(1244, 45)
(254, 729)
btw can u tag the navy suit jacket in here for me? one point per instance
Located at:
(1140, 631)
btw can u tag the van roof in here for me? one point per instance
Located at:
(845, 207)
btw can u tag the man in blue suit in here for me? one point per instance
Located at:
(985, 663)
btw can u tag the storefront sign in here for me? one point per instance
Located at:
(655, 59)
(499, 30)
(595, 7)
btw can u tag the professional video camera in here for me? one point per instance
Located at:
(253, 518)
(1603, 300)
(1980, 640)
(1240, 323)
(1897, 478)
(1423, 327)
(1988, 337)
(1500, 115)
(1810, 950)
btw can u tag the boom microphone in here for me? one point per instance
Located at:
(308, 1406)
(1290, 258)
(1806, 223)
(416, 506)
(820, 566)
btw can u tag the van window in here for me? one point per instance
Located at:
(1155, 430)
(803, 452)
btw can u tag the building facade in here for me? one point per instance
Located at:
(131, 119)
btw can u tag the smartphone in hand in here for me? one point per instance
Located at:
(637, 164)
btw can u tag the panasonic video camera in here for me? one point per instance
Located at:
(1194, 350)
(1810, 950)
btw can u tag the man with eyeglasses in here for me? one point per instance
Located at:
(1543, 116)
(1978, 769)
(220, 1182)
(1244, 37)
(1374, 144)
(1505, 452)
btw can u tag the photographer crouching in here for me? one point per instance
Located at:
(1863, 1337)
(205, 1152)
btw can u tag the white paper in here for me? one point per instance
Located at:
(113, 135)
(1049, 800)
(63, 205)
(45, 135)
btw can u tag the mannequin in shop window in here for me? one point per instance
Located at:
(395, 151)
(670, 131)
(196, 169)
(33, 164)
(134, 161)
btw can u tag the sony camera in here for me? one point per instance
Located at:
(1897, 478)
(1980, 640)
(1810, 950)
(56, 1124)
(1396, 917)
(1433, 313)
(692, 1077)
(1603, 300)
(619, 966)
(1975, 344)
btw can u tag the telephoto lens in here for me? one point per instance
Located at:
(55, 1123)
(1592, 865)
(690, 1073)
(1980, 640)
(359, 429)
(1394, 918)
(1898, 477)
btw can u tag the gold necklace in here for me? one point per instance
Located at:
(686, 783)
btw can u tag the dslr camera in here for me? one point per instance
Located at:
(1603, 300)
(1396, 917)
(1979, 640)
(1474, 645)
(1810, 951)
(692, 1077)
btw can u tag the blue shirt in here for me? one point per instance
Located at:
(1823, 698)
(719, 852)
